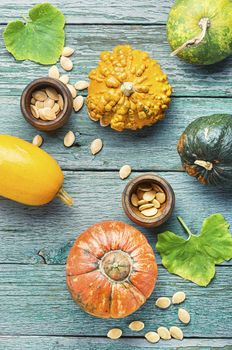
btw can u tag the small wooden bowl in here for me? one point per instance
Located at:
(62, 117)
(166, 208)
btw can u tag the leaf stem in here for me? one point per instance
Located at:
(184, 226)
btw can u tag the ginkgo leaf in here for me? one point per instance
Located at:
(194, 259)
(40, 39)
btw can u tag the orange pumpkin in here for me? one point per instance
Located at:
(111, 270)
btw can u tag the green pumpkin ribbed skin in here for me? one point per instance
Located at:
(209, 139)
(183, 24)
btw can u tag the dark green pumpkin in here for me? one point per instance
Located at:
(185, 23)
(205, 149)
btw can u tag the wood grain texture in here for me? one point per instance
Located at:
(152, 148)
(94, 11)
(34, 300)
(50, 230)
(90, 40)
(78, 343)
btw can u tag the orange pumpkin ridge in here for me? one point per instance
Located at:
(111, 270)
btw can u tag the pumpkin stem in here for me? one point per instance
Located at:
(184, 226)
(207, 165)
(204, 24)
(127, 88)
(64, 197)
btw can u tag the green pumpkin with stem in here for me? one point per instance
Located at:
(200, 31)
(205, 149)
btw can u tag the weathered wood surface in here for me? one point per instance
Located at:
(78, 343)
(95, 11)
(24, 231)
(90, 40)
(34, 301)
(152, 148)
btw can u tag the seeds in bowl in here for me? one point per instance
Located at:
(46, 104)
(149, 199)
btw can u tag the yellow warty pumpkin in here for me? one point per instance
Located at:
(128, 90)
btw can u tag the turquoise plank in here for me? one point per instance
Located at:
(90, 40)
(34, 301)
(77, 343)
(25, 231)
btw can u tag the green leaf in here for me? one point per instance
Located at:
(194, 259)
(41, 39)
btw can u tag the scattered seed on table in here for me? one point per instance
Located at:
(136, 326)
(164, 333)
(54, 72)
(78, 103)
(69, 139)
(66, 63)
(178, 297)
(114, 333)
(67, 51)
(184, 316)
(72, 90)
(176, 333)
(152, 337)
(81, 85)
(64, 78)
(37, 140)
(96, 146)
(163, 302)
(125, 171)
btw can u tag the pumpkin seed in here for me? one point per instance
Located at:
(78, 103)
(161, 197)
(134, 200)
(34, 111)
(163, 302)
(64, 78)
(72, 90)
(136, 326)
(140, 194)
(49, 103)
(152, 337)
(52, 93)
(149, 212)
(114, 333)
(149, 196)
(156, 203)
(157, 188)
(184, 316)
(56, 108)
(96, 146)
(33, 101)
(125, 171)
(176, 333)
(178, 297)
(146, 206)
(69, 139)
(46, 113)
(39, 104)
(141, 202)
(37, 140)
(164, 333)
(66, 63)
(67, 51)
(81, 85)
(61, 102)
(145, 187)
(54, 72)
(39, 95)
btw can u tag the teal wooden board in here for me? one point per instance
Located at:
(36, 310)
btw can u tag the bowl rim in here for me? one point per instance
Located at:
(61, 88)
(127, 206)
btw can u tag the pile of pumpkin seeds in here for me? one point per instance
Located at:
(161, 332)
(148, 198)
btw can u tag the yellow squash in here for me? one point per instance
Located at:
(28, 174)
(128, 90)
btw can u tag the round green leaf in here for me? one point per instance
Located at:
(40, 39)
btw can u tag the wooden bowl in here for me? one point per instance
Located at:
(62, 117)
(165, 210)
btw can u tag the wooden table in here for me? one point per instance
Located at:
(36, 310)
